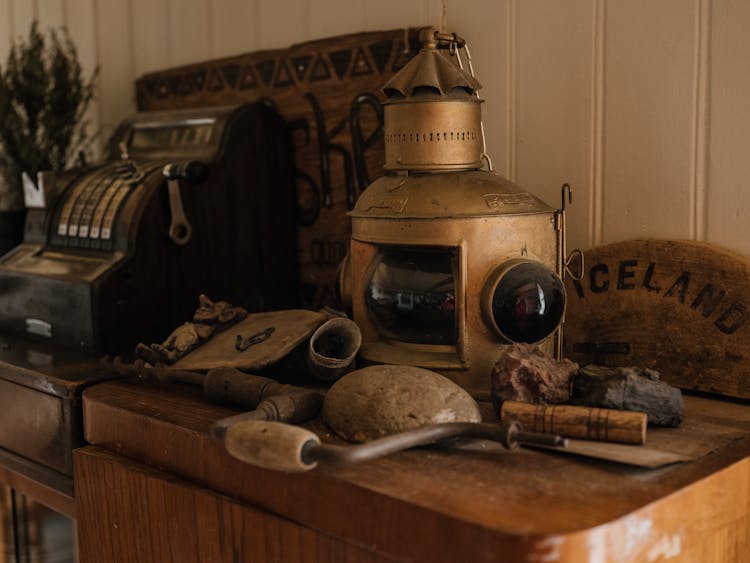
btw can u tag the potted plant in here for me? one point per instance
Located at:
(43, 101)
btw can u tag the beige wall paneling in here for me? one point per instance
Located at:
(190, 31)
(729, 162)
(51, 13)
(284, 23)
(554, 101)
(152, 28)
(486, 26)
(115, 47)
(236, 26)
(22, 14)
(336, 17)
(641, 105)
(649, 107)
(80, 16)
(390, 14)
(6, 30)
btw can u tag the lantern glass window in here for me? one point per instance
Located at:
(528, 303)
(411, 295)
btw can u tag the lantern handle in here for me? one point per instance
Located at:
(568, 260)
(566, 189)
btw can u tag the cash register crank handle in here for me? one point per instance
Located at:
(193, 172)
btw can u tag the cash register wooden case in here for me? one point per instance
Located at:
(104, 263)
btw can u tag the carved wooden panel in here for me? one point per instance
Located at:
(329, 93)
(676, 306)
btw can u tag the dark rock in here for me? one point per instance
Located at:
(628, 388)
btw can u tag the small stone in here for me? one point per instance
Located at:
(377, 401)
(525, 373)
(629, 388)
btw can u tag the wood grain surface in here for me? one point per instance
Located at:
(607, 425)
(682, 308)
(439, 504)
(130, 512)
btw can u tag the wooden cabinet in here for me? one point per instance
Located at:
(130, 512)
(156, 488)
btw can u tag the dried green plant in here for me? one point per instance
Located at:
(43, 102)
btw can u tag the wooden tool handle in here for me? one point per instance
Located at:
(589, 423)
(272, 445)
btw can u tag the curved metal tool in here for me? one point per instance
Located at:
(284, 447)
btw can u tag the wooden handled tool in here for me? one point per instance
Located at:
(589, 423)
(272, 445)
(283, 447)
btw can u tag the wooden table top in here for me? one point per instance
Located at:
(444, 504)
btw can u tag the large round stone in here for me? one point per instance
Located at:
(377, 401)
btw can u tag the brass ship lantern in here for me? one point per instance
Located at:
(449, 262)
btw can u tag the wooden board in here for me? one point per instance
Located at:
(40, 403)
(679, 307)
(173, 521)
(439, 504)
(329, 93)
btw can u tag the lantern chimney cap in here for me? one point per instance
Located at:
(431, 72)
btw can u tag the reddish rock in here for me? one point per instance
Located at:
(525, 373)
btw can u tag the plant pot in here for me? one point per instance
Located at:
(11, 229)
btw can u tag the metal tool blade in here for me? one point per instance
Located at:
(640, 456)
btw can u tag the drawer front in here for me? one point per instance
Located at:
(35, 425)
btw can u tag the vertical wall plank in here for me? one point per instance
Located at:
(51, 14)
(596, 164)
(554, 105)
(350, 17)
(152, 28)
(23, 13)
(80, 15)
(390, 14)
(235, 26)
(114, 45)
(648, 109)
(190, 30)
(729, 164)
(489, 51)
(6, 31)
(511, 89)
(283, 23)
(699, 162)
(433, 10)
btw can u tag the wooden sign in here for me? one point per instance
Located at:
(329, 93)
(682, 308)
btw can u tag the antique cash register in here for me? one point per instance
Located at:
(187, 202)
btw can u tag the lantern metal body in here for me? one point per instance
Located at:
(448, 263)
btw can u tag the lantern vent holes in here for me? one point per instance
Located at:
(431, 136)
